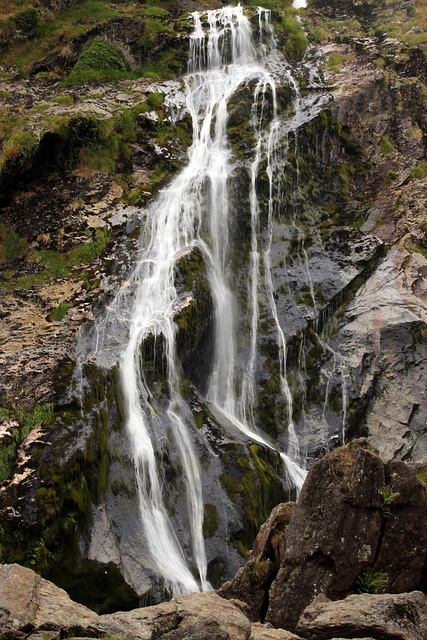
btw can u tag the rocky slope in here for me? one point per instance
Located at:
(356, 356)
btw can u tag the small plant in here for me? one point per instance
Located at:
(422, 475)
(386, 146)
(392, 175)
(372, 582)
(58, 313)
(388, 498)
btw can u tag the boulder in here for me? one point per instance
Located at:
(344, 525)
(28, 601)
(384, 617)
(267, 632)
(403, 549)
(252, 582)
(333, 534)
(195, 616)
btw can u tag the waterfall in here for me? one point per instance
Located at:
(195, 211)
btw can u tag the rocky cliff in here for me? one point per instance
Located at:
(82, 156)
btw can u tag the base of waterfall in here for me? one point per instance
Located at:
(300, 580)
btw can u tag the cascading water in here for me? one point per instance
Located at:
(194, 211)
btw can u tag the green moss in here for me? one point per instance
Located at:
(210, 520)
(12, 246)
(386, 146)
(257, 488)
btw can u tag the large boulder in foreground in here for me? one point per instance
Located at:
(196, 616)
(28, 601)
(400, 616)
(354, 515)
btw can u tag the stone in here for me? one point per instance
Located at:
(387, 617)
(266, 632)
(251, 583)
(28, 601)
(403, 550)
(333, 533)
(194, 616)
(383, 342)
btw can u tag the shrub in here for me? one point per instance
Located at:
(26, 21)
(99, 60)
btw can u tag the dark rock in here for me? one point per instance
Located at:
(252, 582)
(403, 548)
(342, 527)
(333, 533)
(383, 617)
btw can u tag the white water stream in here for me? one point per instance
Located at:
(194, 211)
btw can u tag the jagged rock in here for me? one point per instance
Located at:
(405, 529)
(385, 617)
(333, 533)
(28, 601)
(340, 528)
(251, 583)
(383, 341)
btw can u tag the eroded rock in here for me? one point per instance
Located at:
(28, 601)
(389, 617)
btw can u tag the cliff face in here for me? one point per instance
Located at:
(348, 266)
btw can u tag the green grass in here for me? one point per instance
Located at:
(420, 171)
(98, 61)
(293, 38)
(55, 265)
(58, 314)
(386, 146)
(156, 12)
(12, 246)
(63, 100)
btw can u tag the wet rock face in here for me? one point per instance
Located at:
(343, 525)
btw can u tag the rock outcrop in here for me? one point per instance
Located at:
(354, 511)
(402, 616)
(32, 608)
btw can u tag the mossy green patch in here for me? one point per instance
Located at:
(210, 520)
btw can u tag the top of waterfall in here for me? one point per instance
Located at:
(299, 4)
